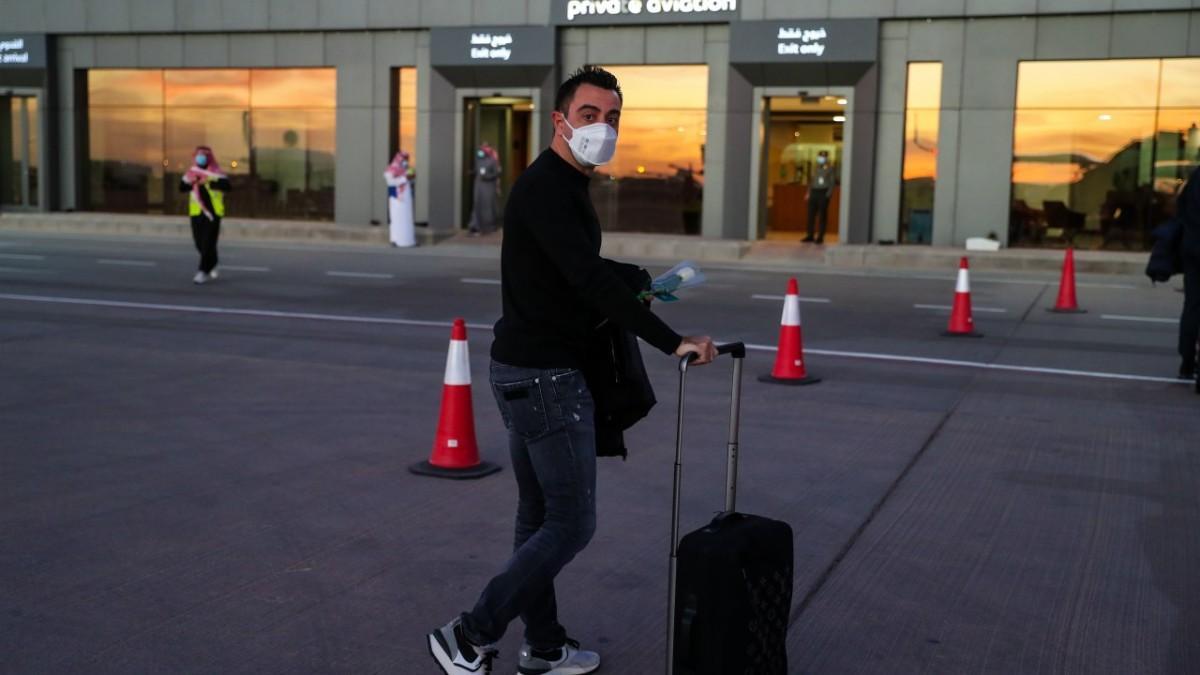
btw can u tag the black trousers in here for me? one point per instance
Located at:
(818, 209)
(1189, 322)
(205, 233)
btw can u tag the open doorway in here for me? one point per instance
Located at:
(799, 133)
(504, 124)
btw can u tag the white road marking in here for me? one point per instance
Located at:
(822, 301)
(979, 364)
(484, 282)
(1146, 319)
(21, 256)
(127, 263)
(27, 270)
(202, 309)
(947, 308)
(899, 274)
(245, 268)
(360, 275)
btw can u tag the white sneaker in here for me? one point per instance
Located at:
(451, 649)
(213, 273)
(200, 278)
(566, 660)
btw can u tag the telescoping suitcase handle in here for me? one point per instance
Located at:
(738, 351)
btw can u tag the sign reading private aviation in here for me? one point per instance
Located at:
(842, 40)
(600, 12)
(509, 45)
(22, 51)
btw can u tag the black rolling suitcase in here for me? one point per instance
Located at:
(730, 581)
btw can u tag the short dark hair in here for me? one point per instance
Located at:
(589, 74)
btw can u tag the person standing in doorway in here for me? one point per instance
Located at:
(555, 290)
(398, 177)
(487, 190)
(207, 186)
(820, 189)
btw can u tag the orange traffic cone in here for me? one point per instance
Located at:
(789, 359)
(961, 322)
(1066, 303)
(455, 453)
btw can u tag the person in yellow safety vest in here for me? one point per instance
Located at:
(206, 206)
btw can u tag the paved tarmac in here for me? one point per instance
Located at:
(214, 479)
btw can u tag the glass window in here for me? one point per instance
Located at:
(1099, 149)
(272, 131)
(216, 88)
(125, 146)
(125, 87)
(225, 130)
(32, 124)
(406, 113)
(293, 160)
(655, 182)
(293, 88)
(19, 148)
(922, 109)
(1087, 84)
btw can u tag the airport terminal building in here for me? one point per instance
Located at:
(1041, 122)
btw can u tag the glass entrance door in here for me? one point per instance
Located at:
(799, 131)
(504, 124)
(19, 148)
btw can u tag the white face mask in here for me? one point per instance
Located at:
(593, 145)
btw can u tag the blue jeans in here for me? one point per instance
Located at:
(550, 418)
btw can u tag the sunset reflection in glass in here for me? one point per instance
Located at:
(922, 110)
(273, 130)
(655, 181)
(1099, 149)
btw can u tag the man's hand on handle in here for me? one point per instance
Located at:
(700, 345)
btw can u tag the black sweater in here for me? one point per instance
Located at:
(556, 288)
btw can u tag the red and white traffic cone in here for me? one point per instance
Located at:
(961, 323)
(455, 452)
(1067, 303)
(789, 358)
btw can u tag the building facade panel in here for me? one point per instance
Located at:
(294, 15)
(1150, 35)
(791, 9)
(200, 16)
(151, 16)
(245, 15)
(391, 14)
(1079, 6)
(252, 50)
(1001, 7)
(1074, 37)
(163, 51)
(206, 50)
(342, 14)
(117, 51)
(918, 8)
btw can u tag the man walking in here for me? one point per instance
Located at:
(556, 290)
